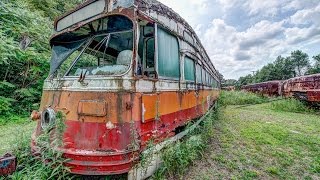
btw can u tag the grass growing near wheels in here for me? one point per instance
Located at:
(240, 98)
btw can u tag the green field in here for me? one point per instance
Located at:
(11, 133)
(260, 138)
(258, 142)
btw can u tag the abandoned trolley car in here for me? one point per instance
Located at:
(270, 88)
(124, 72)
(306, 88)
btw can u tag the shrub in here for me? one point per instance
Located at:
(240, 98)
(5, 106)
(47, 165)
(177, 158)
(290, 105)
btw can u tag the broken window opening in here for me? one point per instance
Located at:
(101, 47)
(146, 65)
(109, 54)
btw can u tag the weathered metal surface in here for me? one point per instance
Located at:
(109, 144)
(111, 119)
(8, 164)
(305, 88)
(271, 88)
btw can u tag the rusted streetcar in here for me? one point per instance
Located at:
(124, 72)
(270, 88)
(305, 88)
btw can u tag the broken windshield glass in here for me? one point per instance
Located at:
(109, 54)
(102, 47)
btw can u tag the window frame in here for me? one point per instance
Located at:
(157, 27)
(194, 69)
(198, 76)
(86, 46)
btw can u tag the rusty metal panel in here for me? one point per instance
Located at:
(8, 164)
(96, 108)
(271, 88)
(149, 107)
(305, 88)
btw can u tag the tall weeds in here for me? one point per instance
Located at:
(48, 164)
(177, 158)
(240, 98)
(291, 105)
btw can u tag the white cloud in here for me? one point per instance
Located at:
(307, 16)
(273, 27)
(267, 8)
(189, 9)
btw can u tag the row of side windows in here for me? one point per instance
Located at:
(195, 73)
(169, 62)
(169, 58)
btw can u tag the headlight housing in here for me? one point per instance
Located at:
(48, 118)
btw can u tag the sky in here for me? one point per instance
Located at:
(242, 36)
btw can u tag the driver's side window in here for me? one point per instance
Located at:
(146, 65)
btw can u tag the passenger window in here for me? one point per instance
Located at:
(168, 55)
(199, 74)
(203, 76)
(189, 69)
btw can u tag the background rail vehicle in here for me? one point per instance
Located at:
(271, 88)
(124, 73)
(306, 88)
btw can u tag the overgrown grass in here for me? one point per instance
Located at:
(177, 158)
(291, 105)
(13, 120)
(46, 165)
(259, 142)
(240, 98)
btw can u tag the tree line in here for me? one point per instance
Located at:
(283, 68)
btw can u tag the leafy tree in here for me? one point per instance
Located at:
(300, 61)
(229, 82)
(316, 68)
(284, 68)
(245, 80)
(317, 58)
(23, 71)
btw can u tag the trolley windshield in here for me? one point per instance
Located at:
(103, 47)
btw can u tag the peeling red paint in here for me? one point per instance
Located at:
(306, 88)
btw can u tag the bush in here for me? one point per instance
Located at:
(290, 105)
(240, 98)
(47, 165)
(177, 158)
(5, 106)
